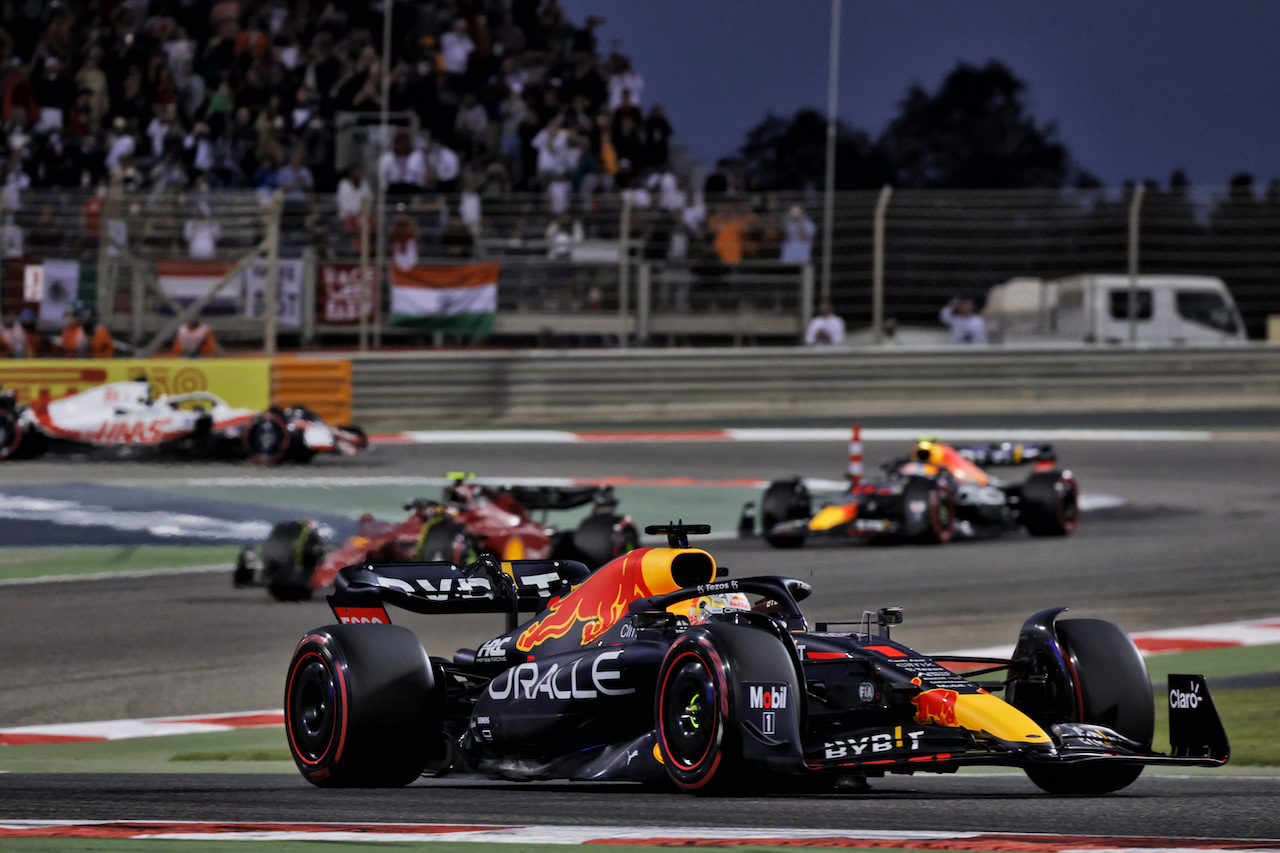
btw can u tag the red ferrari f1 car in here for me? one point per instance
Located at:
(469, 519)
(937, 493)
(655, 668)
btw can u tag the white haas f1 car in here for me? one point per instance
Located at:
(656, 667)
(124, 417)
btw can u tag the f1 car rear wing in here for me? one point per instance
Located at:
(1007, 453)
(486, 586)
(560, 497)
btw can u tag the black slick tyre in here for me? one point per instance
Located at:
(361, 707)
(604, 536)
(1050, 503)
(289, 559)
(267, 439)
(1113, 689)
(10, 436)
(928, 512)
(445, 540)
(700, 706)
(784, 500)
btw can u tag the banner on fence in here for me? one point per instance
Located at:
(242, 382)
(185, 281)
(340, 294)
(458, 299)
(288, 293)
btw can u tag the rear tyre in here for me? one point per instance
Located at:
(289, 560)
(603, 537)
(447, 541)
(1113, 689)
(1050, 503)
(361, 707)
(267, 439)
(928, 511)
(784, 500)
(700, 706)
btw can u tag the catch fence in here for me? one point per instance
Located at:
(608, 271)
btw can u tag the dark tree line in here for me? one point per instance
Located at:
(975, 132)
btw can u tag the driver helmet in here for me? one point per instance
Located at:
(700, 610)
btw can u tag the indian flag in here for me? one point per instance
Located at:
(459, 300)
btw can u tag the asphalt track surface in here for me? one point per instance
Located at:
(1194, 543)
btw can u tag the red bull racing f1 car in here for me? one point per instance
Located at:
(124, 418)
(935, 494)
(657, 668)
(470, 518)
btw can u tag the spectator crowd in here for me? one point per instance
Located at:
(173, 98)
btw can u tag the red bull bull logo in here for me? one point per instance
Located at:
(597, 603)
(935, 706)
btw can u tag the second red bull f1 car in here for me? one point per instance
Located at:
(657, 668)
(937, 493)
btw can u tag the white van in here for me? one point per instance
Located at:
(1171, 309)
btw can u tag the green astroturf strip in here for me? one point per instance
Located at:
(156, 754)
(38, 562)
(1243, 660)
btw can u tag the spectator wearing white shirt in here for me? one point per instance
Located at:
(825, 329)
(455, 52)
(443, 166)
(797, 236)
(202, 234)
(967, 326)
(403, 169)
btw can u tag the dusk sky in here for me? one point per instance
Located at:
(1137, 88)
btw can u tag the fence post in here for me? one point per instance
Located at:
(806, 298)
(877, 266)
(310, 283)
(274, 213)
(366, 274)
(1135, 209)
(137, 298)
(644, 300)
(624, 267)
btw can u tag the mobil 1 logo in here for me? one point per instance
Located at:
(767, 705)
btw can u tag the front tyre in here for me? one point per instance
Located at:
(1113, 689)
(361, 707)
(784, 500)
(701, 710)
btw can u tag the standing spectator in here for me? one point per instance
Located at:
(967, 326)
(296, 179)
(353, 189)
(24, 340)
(16, 180)
(624, 80)
(84, 337)
(657, 136)
(797, 236)
(825, 329)
(403, 169)
(404, 242)
(443, 167)
(455, 52)
(202, 232)
(195, 340)
(472, 127)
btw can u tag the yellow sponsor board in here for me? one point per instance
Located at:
(243, 382)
